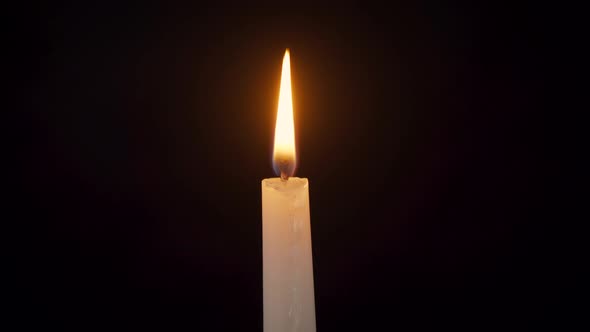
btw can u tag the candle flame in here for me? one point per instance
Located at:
(284, 160)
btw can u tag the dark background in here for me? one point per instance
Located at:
(150, 128)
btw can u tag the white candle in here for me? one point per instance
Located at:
(286, 234)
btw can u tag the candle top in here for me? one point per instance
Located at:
(278, 184)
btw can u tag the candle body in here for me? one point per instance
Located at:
(287, 260)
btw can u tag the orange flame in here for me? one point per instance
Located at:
(284, 159)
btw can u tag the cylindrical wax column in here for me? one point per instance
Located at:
(287, 261)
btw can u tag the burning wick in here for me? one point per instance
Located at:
(285, 167)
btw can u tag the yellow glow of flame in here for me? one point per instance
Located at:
(284, 147)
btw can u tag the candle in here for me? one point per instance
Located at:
(286, 234)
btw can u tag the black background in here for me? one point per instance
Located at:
(151, 128)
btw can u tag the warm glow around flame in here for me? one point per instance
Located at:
(284, 146)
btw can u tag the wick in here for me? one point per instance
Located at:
(284, 176)
(285, 167)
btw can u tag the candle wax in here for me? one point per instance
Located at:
(288, 290)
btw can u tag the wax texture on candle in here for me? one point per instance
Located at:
(288, 290)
